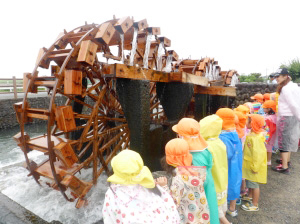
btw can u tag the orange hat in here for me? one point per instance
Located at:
(177, 153)
(241, 125)
(257, 122)
(227, 116)
(241, 108)
(189, 129)
(266, 96)
(270, 104)
(259, 97)
(250, 106)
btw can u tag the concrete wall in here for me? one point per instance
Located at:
(245, 90)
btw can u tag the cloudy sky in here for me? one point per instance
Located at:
(249, 36)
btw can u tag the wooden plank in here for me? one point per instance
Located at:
(73, 82)
(38, 116)
(194, 79)
(105, 33)
(87, 52)
(142, 24)
(124, 24)
(166, 41)
(216, 90)
(132, 72)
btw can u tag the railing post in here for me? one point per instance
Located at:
(15, 87)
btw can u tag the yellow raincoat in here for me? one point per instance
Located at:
(255, 158)
(210, 129)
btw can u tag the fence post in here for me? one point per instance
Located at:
(15, 87)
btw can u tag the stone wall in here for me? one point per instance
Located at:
(8, 115)
(245, 90)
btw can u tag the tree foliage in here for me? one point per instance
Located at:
(252, 77)
(294, 69)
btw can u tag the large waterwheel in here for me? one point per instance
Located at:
(120, 91)
(91, 127)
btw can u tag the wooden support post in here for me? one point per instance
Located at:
(15, 87)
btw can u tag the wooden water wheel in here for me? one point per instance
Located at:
(87, 67)
(90, 128)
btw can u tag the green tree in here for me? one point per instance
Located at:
(294, 69)
(252, 77)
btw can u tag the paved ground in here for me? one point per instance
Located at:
(280, 198)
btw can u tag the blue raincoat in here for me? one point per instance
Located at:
(235, 162)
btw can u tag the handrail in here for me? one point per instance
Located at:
(14, 86)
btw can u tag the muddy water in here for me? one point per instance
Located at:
(42, 200)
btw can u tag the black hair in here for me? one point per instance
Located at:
(271, 111)
(166, 167)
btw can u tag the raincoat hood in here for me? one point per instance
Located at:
(211, 127)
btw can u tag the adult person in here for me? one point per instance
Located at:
(272, 79)
(288, 119)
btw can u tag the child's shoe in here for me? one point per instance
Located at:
(249, 207)
(269, 163)
(246, 198)
(279, 169)
(232, 214)
(238, 201)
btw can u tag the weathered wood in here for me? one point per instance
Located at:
(194, 79)
(73, 82)
(153, 30)
(166, 41)
(105, 33)
(87, 52)
(26, 77)
(44, 63)
(124, 24)
(65, 118)
(65, 153)
(216, 90)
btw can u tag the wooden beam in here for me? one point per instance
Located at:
(194, 79)
(216, 90)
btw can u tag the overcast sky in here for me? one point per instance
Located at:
(248, 36)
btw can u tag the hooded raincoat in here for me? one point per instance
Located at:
(129, 200)
(235, 160)
(255, 158)
(211, 127)
(189, 129)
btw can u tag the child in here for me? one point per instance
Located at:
(240, 127)
(133, 197)
(266, 97)
(270, 118)
(189, 130)
(258, 100)
(211, 127)
(250, 107)
(255, 161)
(187, 183)
(242, 108)
(234, 150)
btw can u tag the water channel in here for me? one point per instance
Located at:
(42, 200)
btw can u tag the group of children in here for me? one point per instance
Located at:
(211, 164)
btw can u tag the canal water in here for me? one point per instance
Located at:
(44, 201)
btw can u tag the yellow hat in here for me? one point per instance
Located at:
(129, 169)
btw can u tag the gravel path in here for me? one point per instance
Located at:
(279, 201)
